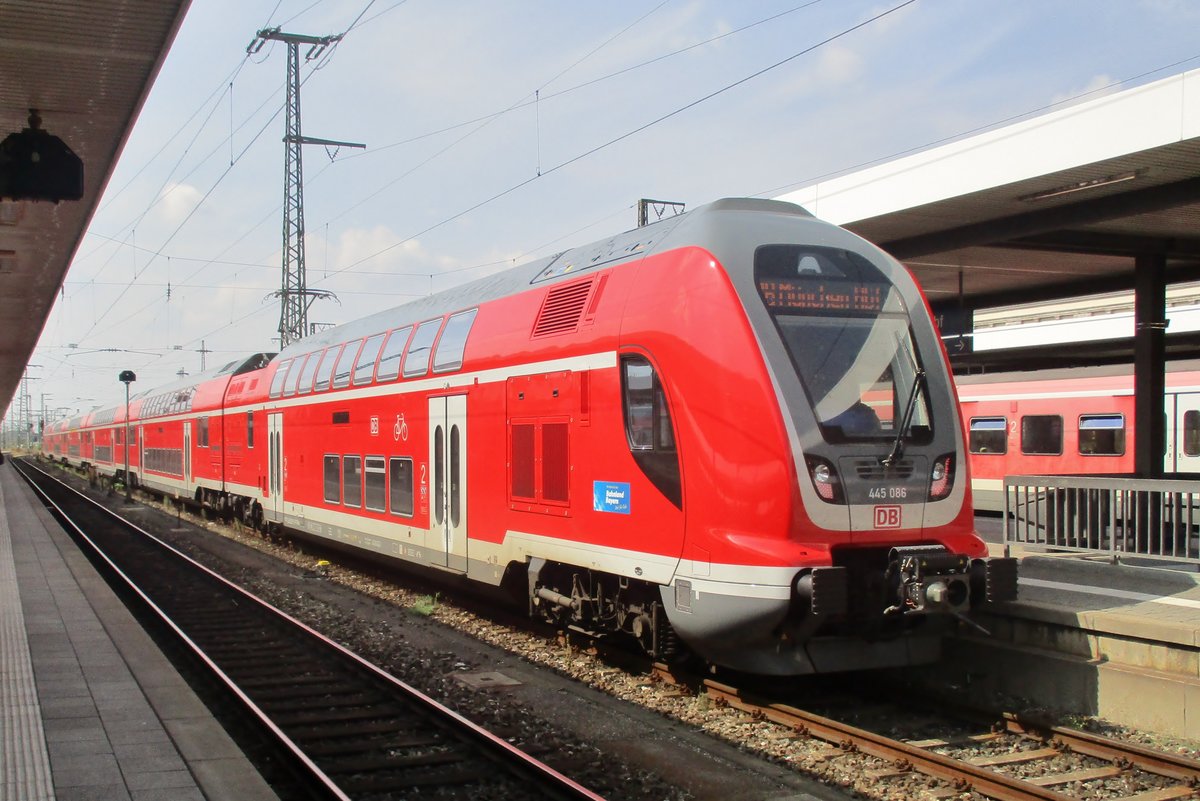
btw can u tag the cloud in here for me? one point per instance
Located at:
(176, 202)
(378, 249)
(1098, 86)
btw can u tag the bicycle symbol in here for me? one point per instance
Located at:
(400, 430)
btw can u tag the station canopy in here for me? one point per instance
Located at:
(86, 66)
(1057, 206)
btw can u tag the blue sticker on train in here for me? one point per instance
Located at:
(610, 496)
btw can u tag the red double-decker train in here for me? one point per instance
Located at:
(732, 432)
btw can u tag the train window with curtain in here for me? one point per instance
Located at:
(202, 432)
(277, 381)
(449, 354)
(1102, 434)
(989, 435)
(416, 360)
(648, 428)
(325, 371)
(345, 365)
(352, 481)
(1191, 432)
(389, 358)
(376, 489)
(1041, 434)
(249, 429)
(364, 368)
(333, 479)
(400, 480)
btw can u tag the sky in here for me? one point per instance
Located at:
(501, 132)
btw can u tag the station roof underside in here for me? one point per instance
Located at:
(86, 66)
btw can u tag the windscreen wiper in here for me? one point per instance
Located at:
(909, 407)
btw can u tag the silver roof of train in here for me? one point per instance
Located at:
(625, 247)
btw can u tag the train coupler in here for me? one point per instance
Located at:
(928, 578)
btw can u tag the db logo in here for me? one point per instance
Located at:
(887, 517)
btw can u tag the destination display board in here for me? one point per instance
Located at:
(822, 296)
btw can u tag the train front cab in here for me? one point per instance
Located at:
(877, 553)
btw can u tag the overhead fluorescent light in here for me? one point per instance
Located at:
(1081, 186)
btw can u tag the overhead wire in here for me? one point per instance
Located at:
(628, 134)
(159, 251)
(488, 120)
(554, 95)
(451, 145)
(598, 148)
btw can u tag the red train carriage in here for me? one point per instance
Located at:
(1070, 422)
(734, 430)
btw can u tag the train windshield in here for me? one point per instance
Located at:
(846, 329)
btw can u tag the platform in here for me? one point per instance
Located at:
(90, 708)
(1090, 638)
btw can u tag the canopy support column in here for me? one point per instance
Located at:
(1149, 364)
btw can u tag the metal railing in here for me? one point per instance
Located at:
(1117, 516)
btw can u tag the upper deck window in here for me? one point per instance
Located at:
(449, 354)
(310, 372)
(364, 368)
(325, 373)
(277, 381)
(389, 357)
(345, 365)
(416, 360)
(294, 374)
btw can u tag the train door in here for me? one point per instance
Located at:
(448, 469)
(1183, 434)
(187, 457)
(141, 465)
(275, 466)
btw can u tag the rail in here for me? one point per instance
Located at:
(1117, 516)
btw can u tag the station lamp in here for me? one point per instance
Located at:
(127, 377)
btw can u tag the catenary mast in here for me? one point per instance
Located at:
(294, 294)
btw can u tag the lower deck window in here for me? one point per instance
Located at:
(352, 481)
(989, 435)
(333, 484)
(1101, 434)
(400, 479)
(1041, 434)
(376, 484)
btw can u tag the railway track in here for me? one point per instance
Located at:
(1055, 763)
(1002, 759)
(351, 730)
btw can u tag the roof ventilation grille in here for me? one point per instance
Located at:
(562, 309)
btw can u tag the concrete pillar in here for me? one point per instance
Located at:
(1149, 368)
